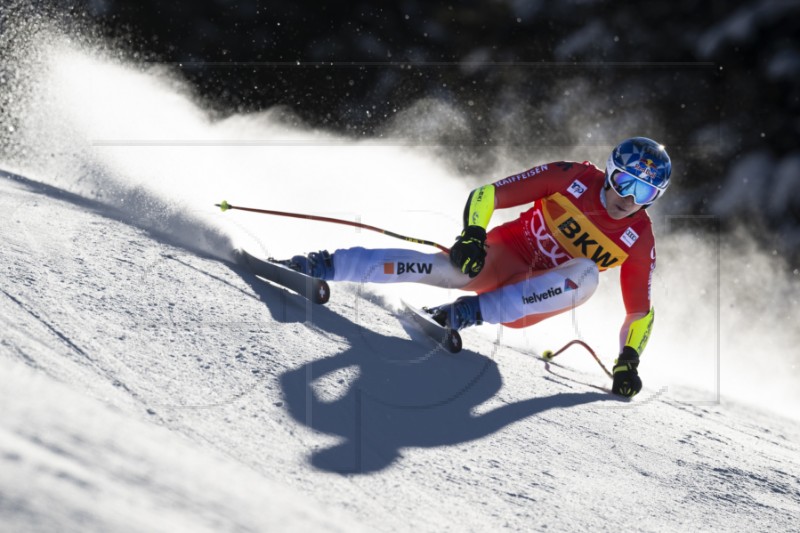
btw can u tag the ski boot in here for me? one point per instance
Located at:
(316, 264)
(464, 312)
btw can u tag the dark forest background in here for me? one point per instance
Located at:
(717, 82)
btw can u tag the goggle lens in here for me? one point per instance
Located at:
(626, 185)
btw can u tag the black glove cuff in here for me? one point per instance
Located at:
(629, 354)
(628, 360)
(474, 232)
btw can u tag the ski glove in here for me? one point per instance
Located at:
(626, 376)
(469, 252)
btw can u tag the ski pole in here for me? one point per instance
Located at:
(549, 354)
(224, 206)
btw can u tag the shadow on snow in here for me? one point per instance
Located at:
(393, 393)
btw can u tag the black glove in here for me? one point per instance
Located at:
(469, 252)
(626, 378)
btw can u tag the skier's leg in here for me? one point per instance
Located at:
(396, 265)
(525, 302)
(542, 295)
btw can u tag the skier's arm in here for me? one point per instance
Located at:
(635, 279)
(635, 282)
(626, 367)
(635, 331)
(480, 207)
(468, 253)
(519, 189)
(636, 276)
(536, 183)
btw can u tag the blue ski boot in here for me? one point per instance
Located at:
(316, 264)
(464, 312)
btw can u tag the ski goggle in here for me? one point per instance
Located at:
(626, 185)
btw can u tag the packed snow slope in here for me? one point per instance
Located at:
(147, 384)
(146, 387)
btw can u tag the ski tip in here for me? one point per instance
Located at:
(223, 206)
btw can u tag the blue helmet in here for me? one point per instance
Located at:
(639, 167)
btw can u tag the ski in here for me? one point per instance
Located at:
(448, 338)
(314, 289)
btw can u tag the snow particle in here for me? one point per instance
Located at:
(763, 134)
(616, 38)
(407, 17)
(519, 20)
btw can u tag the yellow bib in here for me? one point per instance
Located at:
(578, 235)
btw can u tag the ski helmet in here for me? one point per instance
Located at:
(639, 167)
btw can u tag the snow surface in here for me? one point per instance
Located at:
(147, 384)
(145, 387)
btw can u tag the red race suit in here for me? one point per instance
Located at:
(567, 220)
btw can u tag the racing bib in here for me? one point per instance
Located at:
(577, 235)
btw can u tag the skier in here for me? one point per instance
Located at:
(545, 262)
